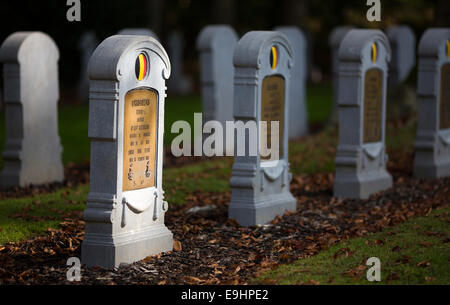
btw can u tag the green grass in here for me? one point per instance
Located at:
(48, 210)
(25, 217)
(319, 103)
(415, 252)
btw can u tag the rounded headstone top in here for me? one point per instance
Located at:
(354, 43)
(432, 41)
(337, 34)
(10, 51)
(105, 61)
(252, 44)
(212, 33)
(139, 32)
(400, 32)
(292, 31)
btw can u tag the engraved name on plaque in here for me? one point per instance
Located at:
(140, 134)
(445, 97)
(272, 109)
(373, 87)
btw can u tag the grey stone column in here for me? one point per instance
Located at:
(125, 206)
(432, 147)
(363, 71)
(334, 41)
(32, 153)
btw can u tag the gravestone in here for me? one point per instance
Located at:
(125, 206)
(432, 147)
(179, 83)
(216, 44)
(361, 160)
(139, 32)
(32, 152)
(334, 41)
(260, 186)
(87, 44)
(298, 115)
(403, 45)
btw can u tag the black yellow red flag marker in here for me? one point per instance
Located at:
(374, 52)
(448, 48)
(273, 57)
(141, 66)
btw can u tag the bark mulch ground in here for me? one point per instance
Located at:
(211, 249)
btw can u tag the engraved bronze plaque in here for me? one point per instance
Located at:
(373, 99)
(139, 139)
(272, 109)
(445, 97)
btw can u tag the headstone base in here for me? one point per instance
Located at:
(261, 210)
(425, 167)
(11, 177)
(361, 186)
(106, 251)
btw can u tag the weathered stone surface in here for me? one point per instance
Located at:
(260, 187)
(298, 114)
(32, 153)
(125, 206)
(432, 147)
(361, 159)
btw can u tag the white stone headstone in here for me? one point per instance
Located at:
(216, 45)
(125, 206)
(298, 114)
(361, 157)
(32, 152)
(432, 147)
(263, 62)
(179, 83)
(403, 45)
(139, 32)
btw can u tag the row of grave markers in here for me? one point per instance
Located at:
(125, 206)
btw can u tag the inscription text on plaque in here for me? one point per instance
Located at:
(139, 139)
(272, 109)
(373, 98)
(445, 97)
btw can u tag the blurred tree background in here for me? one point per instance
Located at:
(106, 18)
